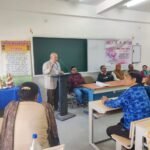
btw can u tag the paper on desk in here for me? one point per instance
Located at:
(101, 84)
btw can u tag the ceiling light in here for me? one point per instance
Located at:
(134, 2)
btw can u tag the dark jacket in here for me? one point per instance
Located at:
(105, 77)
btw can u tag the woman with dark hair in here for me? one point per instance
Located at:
(134, 103)
(23, 118)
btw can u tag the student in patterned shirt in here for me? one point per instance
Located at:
(75, 80)
(134, 102)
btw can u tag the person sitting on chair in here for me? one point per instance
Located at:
(145, 72)
(130, 67)
(134, 102)
(25, 117)
(104, 76)
(74, 81)
(118, 73)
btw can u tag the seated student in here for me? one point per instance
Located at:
(145, 72)
(134, 102)
(25, 117)
(104, 76)
(130, 67)
(118, 73)
(74, 81)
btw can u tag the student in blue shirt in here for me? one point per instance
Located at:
(134, 102)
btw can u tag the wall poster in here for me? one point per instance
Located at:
(118, 51)
(16, 57)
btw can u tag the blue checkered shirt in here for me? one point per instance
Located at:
(135, 104)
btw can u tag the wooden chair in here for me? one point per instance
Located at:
(125, 142)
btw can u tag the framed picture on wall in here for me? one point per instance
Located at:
(136, 53)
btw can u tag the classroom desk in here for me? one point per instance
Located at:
(99, 107)
(113, 86)
(9, 94)
(141, 129)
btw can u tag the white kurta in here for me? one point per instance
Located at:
(49, 70)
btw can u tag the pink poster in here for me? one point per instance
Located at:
(118, 51)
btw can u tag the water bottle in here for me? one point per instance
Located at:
(35, 144)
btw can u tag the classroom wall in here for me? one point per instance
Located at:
(52, 19)
(20, 20)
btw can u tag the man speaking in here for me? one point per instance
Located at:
(51, 68)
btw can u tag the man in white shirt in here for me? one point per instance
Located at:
(51, 68)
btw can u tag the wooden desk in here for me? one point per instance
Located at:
(99, 107)
(141, 129)
(113, 86)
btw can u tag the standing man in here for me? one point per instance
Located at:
(50, 68)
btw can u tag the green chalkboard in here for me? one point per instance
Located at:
(71, 52)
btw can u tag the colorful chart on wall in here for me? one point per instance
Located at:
(118, 51)
(16, 58)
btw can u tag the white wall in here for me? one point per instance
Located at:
(96, 54)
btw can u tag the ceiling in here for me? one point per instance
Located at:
(91, 2)
(145, 6)
(88, 2)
